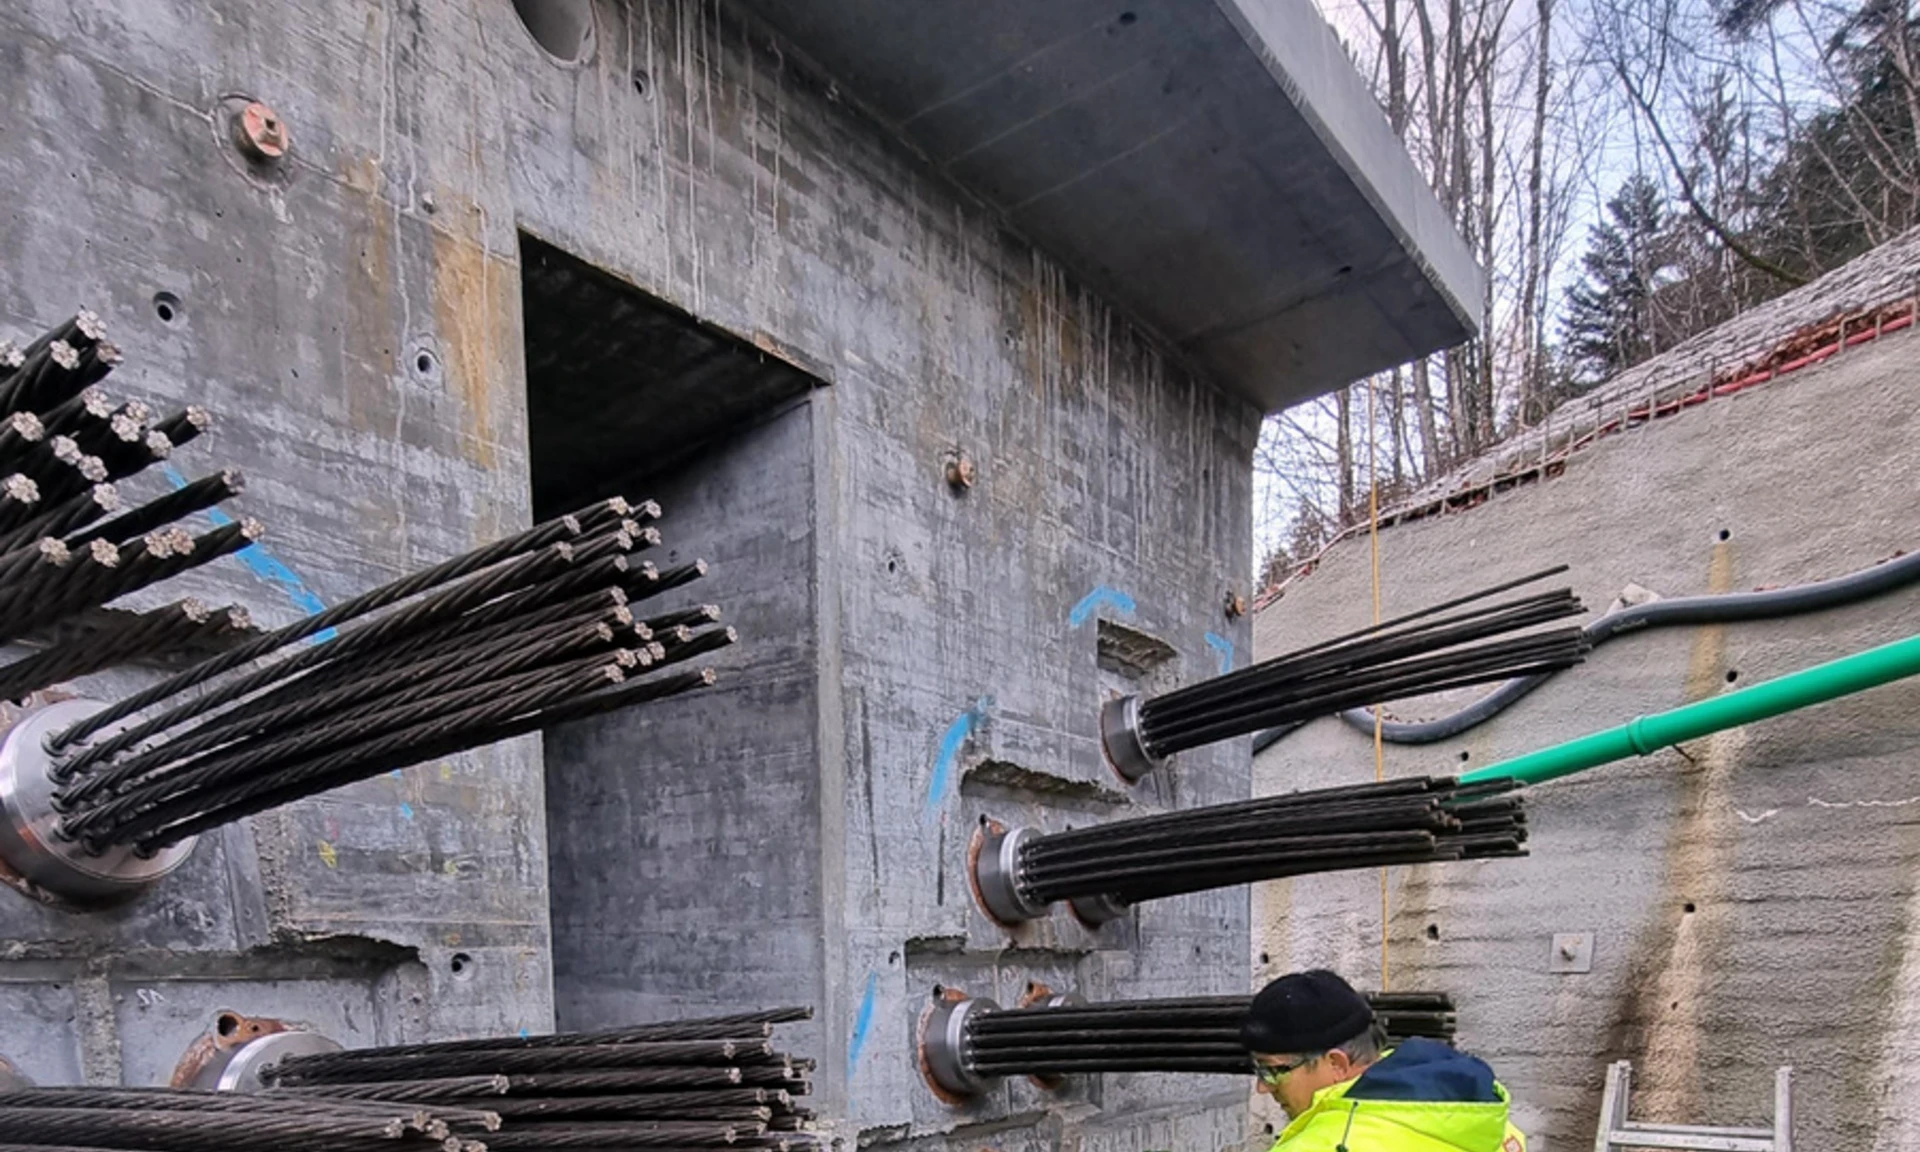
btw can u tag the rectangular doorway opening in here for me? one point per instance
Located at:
(683, 835)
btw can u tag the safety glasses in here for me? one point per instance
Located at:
(1273, 1074)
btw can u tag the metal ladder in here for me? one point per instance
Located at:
(1618, 1132)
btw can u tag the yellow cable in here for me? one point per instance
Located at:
(1379, 741)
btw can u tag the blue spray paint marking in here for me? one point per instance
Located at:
(1222, 647)
(265, 565)
(862, 1024)
(524, 1033)
(1090, 603)
(397, 774)
(406, 811)
(950, 745)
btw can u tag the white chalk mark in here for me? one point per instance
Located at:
(1817, 802)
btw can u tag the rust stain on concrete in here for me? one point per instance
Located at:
(472, 311)
(1662, 1019)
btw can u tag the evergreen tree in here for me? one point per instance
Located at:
(1609, 323)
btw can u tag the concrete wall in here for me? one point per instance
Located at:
(680, 834)
(954, 637)
(1751, 896)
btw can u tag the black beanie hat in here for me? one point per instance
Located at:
(1306, 1012)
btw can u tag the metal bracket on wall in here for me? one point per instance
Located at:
(1572, 953)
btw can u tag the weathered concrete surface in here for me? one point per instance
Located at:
(953, 638)
(1751, 895)
(684, 836)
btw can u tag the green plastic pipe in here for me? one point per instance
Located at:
(1648, 734)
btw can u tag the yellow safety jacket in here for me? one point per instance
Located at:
(1420, 1097)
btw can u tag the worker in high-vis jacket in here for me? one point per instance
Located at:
(1318, 1050)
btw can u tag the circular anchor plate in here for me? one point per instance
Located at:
(945, 1045)
(1120, 739)
(244, 1069)
(997, 877)
(28, 842)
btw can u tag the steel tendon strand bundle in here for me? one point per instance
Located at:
(515, 636)
(1453, 645)
(65, 546)
(1109, 866)
(676, 1084)
(970, 1043)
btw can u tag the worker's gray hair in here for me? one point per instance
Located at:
(1366, 1047)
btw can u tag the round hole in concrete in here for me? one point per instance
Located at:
(1687, 907)
(939, 990)
(166, 306)
(1265, 959)
(1465, 755)
(461, 965)
(641, 83)
(1433, 931)
(1732, 675)
(1127, 19)
(226, 1024)
(1725, 535)
(562, 28)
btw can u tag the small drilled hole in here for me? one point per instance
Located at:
(893, 566)
(1433, 931)
(1127, 19)
(1465, 756)
(166, 306)
(424, 363)
(939, 990)
(226, 1024)
(640, 82)
(1732, 675)
(461, 965)
(1687, 907)
(1725, 535)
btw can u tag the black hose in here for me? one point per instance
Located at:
(1733, 607)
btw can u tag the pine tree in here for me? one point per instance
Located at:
(1609, 323)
